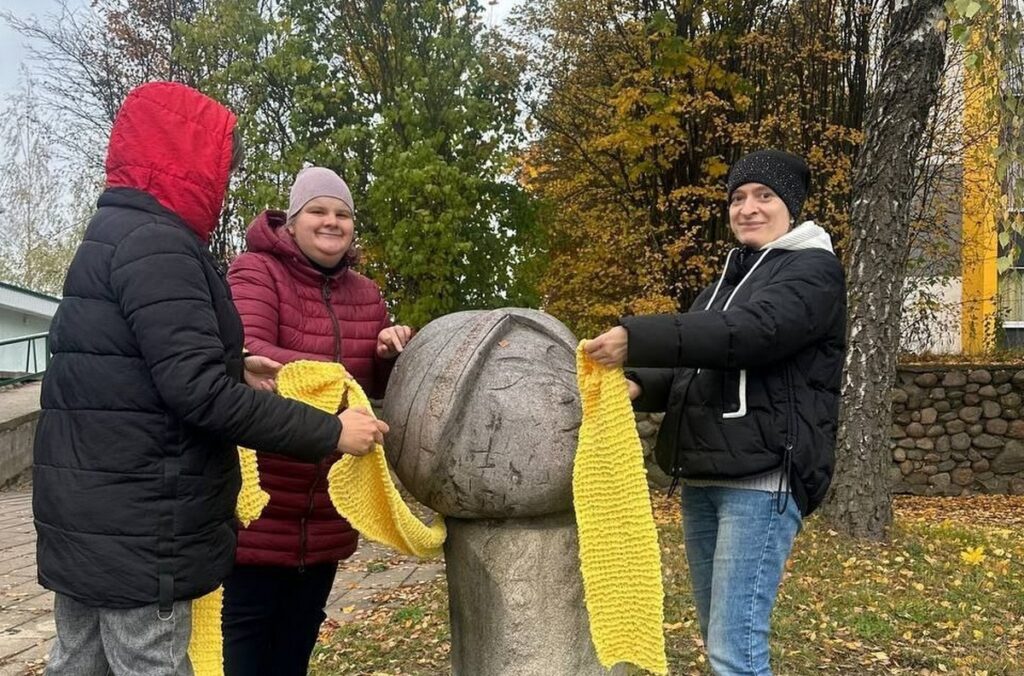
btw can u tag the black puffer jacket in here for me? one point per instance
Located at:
(136, 472)
(750, 377)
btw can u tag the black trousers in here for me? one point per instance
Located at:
(272, 617)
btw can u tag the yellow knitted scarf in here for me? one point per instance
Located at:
(360, 488)
(619, 554)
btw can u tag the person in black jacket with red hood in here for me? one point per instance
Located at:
(135, 470)
(749, 379)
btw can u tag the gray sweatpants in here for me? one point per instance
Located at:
(103, 641)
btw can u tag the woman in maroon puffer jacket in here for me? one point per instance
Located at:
(300, 299)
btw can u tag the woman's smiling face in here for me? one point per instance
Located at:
(324, 229)
(757, 215)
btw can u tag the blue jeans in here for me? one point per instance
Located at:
(737, 544)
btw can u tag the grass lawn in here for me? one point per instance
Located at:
(945, 597)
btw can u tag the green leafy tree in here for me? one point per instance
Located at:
(414, 104)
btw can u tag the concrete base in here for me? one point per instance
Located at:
(19, 410)
(516, 599)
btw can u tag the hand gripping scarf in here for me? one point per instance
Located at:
(619, 554)
(360, 489)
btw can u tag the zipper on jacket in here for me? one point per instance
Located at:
(787, 458)
(677, 451)
(325, 291)
(303, 537)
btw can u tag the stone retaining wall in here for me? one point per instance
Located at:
(956, 430)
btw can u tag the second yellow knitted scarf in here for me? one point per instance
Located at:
(619, 554)
(360, 488)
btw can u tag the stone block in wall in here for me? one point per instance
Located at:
(1016, 429)
(942, 445)
(898, 396)
(1016, 486)
(956, 379)
(1011, 400)
(1018, 379)
(956, 426)
(899, 455)
(896, 432)
(960, 441)
(972, 388)
(987, 392)
(1005, 388)
(935, 431)
(975, 429)
(1001, 377)
(926, 380)
(940, 480)
(980, 376)
(997, 426)
(995, 485)
(962, 476)
(990, 409)
(1010, 460)
(925, 444)
(970, 414)
(947, 465)
(986, 441)
(916, 478)
(942, 406)
(971, 399)
(929, 416)
(980, 466)
(646, 428)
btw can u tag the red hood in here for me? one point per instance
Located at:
(175, 144)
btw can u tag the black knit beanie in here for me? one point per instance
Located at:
(785, 173)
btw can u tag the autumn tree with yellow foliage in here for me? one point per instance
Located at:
(643, 108)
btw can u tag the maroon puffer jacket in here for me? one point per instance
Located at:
(292, 311)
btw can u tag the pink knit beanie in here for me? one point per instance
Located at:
(313, 182)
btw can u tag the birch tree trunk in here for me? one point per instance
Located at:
(860, 503)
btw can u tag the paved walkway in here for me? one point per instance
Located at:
(26, 609)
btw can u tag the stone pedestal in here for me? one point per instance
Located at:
(516, 598)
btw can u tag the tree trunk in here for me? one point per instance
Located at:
(912, 59)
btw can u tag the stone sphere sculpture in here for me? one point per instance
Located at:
(484, 413)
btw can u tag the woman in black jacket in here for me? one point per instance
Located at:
(135, 465)
(749, 379)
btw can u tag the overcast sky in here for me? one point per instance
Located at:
(12, 45)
